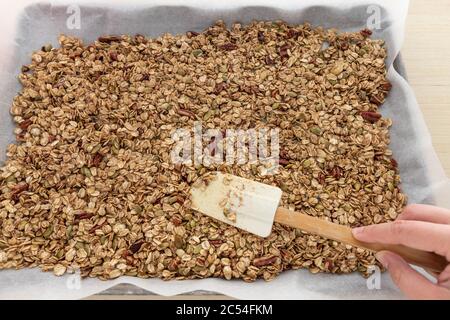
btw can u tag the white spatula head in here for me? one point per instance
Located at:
(243, 203)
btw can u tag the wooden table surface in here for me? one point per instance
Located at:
(427, 59)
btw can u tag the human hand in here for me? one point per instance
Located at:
(421, 227)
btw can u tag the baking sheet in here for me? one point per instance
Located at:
(27, 27)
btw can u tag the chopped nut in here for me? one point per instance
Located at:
(261, 37)
(385, 86)
(228, 47)
(17, 190)
(109, 39)
(219, 88)
(113, 55)
(187, 113)
(284, 51)
(377, 99)
(82, 216)
(191, 34)
(394, 163)
(269, 61)
(264, 261)
(372, 117)
(136, 246)
(97, 159)
(292, 34)
(25, 124)
(366, 32)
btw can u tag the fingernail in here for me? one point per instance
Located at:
(382, 258)
(358, 231)
(445, 284)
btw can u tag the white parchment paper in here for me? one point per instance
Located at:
(26, 26)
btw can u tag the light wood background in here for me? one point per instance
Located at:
(426, 54)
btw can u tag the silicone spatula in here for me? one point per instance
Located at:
(254, 207)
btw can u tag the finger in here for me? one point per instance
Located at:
(423, 212)
(445, 284)
(411, 283)
(444, 278)
(420, 235)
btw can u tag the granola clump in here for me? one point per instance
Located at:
(90, 184)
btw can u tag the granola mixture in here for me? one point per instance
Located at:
(90, 185)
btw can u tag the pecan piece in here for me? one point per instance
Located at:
(139, 38)
(176, 220)
(292, 34)
(181, 200)
(215, 242)
(20, 136)
(284, 154)
(17, 190)
(228, 46)
(25, 124)
(261, 37)
(173, 264)
(51, 138)
(186, 113)
(321, 178)
(96, 227)
(97, 159)
(82, 216)
(219, 87)
(284, 51)
(385, 86)
(329, 265)
(377, 99)
(336, 172)
(113, 55)
(130, 260)
(191, 34)
(394, 163)
(135, 247)
(250, 89)
(264, 261)
(20, 187)
(109, 39)
(283, 162)
(342, 44)
(269, 61)
(85, 271)
(366, 32)
(201, 261)
(372, 117)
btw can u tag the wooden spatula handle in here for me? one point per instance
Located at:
(333, 231)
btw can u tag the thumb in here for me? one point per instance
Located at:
(411, 283)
